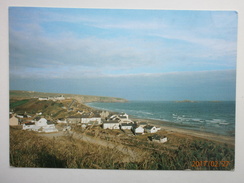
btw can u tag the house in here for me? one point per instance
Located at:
(137, 129)
(143, 124)
(111, 124)
(28, 126)
(40, 125)
(158, 138)
(150, 129)
(126, 126)
(123, 116)
(96, 120)
(91, 118)
(13, 121)
(42, 98)
(40, 121)
(74, 119)
(61, 97)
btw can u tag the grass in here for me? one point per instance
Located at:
(18, 103)
(27, 149)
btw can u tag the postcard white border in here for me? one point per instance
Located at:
(40, 175)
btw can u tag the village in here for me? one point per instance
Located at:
(84, 119)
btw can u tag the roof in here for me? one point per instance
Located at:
(49, 122)
(74, 117)
(127, 124)
(156, 137)
(29, 123)
(37, 118)
(149, 127)
(111, 121)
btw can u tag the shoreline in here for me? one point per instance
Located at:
(230, 140)
(169, 127)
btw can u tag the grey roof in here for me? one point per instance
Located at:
(156, 137)
(127, 124)
(111, 121)
(148, 127)
(37, 118)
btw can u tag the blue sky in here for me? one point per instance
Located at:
(133, 54)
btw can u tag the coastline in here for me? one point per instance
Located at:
(230, 140)
(170, 128)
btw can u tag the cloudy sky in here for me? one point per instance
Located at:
(133, 54)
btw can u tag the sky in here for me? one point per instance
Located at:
(132, 54)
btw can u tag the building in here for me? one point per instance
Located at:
(74, 119)
(126, 126)
(95, 120)
(150, 129)
(13, 121)
(42, 98)
(137, 130)
(40, 121)
(40, 125)
(158, 138)
(28, 126)
(111, 124)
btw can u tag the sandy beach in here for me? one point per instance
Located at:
(167, 126)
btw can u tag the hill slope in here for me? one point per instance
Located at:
(80, 98)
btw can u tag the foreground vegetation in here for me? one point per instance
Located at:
(27, 149)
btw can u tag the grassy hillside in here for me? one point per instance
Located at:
(80, 98)
(50, 109)
(28, 149)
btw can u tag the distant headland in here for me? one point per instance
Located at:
(80, 98)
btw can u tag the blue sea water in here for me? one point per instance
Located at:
(213, 117)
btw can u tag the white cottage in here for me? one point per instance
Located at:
(40, 125)
(158, 138)
(138, 130)
(96, 120)
(28, 126)
(126, 126)
(112, 124)
(150, 129)
(40, 121)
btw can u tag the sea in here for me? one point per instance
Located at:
(208, 116)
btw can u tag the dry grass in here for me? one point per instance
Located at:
(30, 150)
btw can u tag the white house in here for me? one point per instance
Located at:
(123, 116)
(158, 138)
(126, 126)
(40, 125)
(28, 126)
(138, 130)
(96, 120)
(112, 124)
(42, 98)
(40, 121)
(60, 97)
(150, 129)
